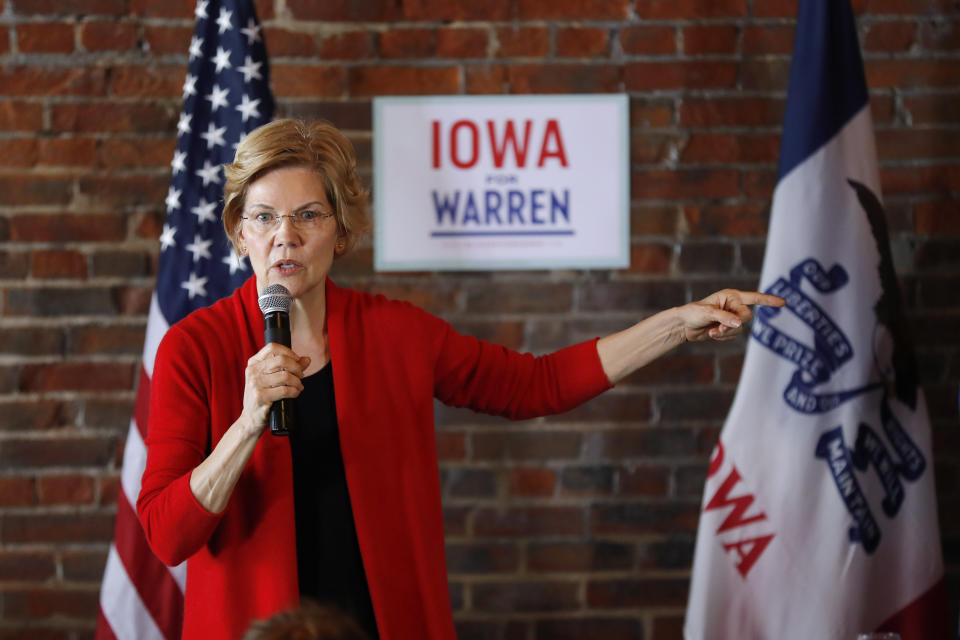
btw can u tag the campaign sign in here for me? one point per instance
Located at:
(501, 182)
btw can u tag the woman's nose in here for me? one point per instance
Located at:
(286, 233)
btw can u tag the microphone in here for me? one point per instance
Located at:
(274, 302)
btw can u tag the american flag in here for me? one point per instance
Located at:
(225, 95)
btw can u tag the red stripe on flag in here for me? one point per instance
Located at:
(141, 410)
(159, 591)
(924, 618)
(104, 632)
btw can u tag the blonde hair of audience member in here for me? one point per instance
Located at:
(309, 622)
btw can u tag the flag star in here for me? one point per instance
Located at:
(167, 237)
(179, 162)
(250, 69)
(218, 98)
(196, 47)
(222, 59)
(200, 248)
(243, 134)
(201, 10)
(209, 173)
(224, 20)
(248, 107)
(183, 126)
(190, 86)
(252, 31)
(204, 211)
(214, 136)
(195, 286)
(235, 262)
(173, 199)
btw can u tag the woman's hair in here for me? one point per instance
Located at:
(309, 622)
(319, 146)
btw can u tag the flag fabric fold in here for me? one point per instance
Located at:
(819, 515)
(226, 94)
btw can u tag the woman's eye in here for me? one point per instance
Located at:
(264, 218)
(309, 216)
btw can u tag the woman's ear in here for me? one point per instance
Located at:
(341, 246)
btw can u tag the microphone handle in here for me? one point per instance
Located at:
(282, 418)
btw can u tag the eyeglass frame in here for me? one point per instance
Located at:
(295, 219)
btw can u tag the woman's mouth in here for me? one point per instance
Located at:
(286, 267)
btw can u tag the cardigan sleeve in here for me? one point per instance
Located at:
(494, 379)
(175, 523)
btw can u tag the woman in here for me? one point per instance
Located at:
(265, 521)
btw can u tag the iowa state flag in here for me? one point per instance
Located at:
(819, 518)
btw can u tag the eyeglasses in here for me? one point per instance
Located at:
(264, 222)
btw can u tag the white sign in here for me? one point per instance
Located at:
(501, 182)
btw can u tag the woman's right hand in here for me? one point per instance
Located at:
(272, 373)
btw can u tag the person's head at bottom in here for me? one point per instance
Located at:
(310, 622)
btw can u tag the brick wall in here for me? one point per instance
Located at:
(578, 526)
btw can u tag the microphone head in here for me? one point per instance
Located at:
(274, 298)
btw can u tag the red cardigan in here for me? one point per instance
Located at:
(390, 359)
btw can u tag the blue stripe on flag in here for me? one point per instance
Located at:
(827, 84)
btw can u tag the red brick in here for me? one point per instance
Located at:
(77, 376)
(525, 42)
(284, 42)
(14, 264)
(647, 40)
(572, 9)
(438, 299)
(120, 153)
(31, 341)
(882, 109)
(84, 7)
(110, 190)
(937, 218)
(83, 565)
(346, 10)
(56, 452)
(352, 45)
(650, 113)
(108, 36)
(32, 603)
(45, 37)
(579, 556)
(667, 627)
(644, 518)
(759, 184)
(64, 152)
(29, 81)
(65, 489)
(713, 38)
(912, 143)
(645, 481)
(908, 7)
(4, 39)
(532, 482)
(526, 596)
(911, 73)
(457, 10)
(695, 9)
(940, 35)
(166, 39)
(631, 296)
(58, 263)
(105, 227)
(687, 183)
(132, 301)
(719, 111)
(613, 628)
(701, 74)
(109, 413)
(528, 521)
(525, 446)
(90, 118)
(582, 42)
(17, 491)
(889, 36)
(724, 148)
(516, 297)
(408, 43)
(151, 81)
(767, 39)
(31, 189)
(20, 116)
(651, 592)
(486, 79)
(923, 109)
(706, 257)
(167, 9)
(121, 263)
(481, 558)
(730, 367)
(58, 301)
(650, 258)
(939, 179)
(18, 152)
(106, 339)
(451, 446)
(371, 81)
(770, 74)
(315, 81)
(455, 42)
(27, 565)
(109, 490)
(727, 220)
(775, 8)
(564, 78)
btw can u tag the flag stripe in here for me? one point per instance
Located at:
(160, 593)
(122, 608)
(156, 327)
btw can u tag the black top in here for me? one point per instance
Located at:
(329, 565)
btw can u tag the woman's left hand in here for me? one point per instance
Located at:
(721, 315)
